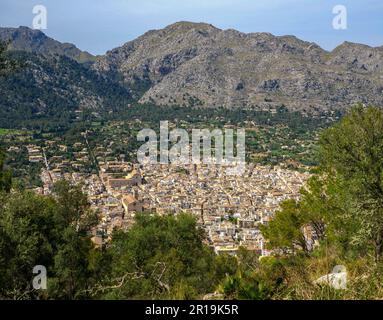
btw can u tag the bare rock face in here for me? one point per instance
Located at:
(192, 64)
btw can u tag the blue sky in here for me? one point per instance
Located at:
(100, 25)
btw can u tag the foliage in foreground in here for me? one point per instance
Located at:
(167, 258)
(342, 206)
(159, 257)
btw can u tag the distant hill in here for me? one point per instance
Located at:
(55, 81)
(187, 64)
(26, 39)
(198, 64)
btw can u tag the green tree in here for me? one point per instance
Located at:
(160, 257)
(71, 262)
(48, 231)
(7, 65)
(72, 271)
(5, 175)
(286, 230)
(74, 207)
(352, 150)
(28, 237)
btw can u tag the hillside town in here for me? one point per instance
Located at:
(229, 208)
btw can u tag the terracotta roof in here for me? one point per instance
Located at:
(129, 199)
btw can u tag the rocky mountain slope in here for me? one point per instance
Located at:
(198, 64)
(188, 64)
(29, 40)
(54, 82)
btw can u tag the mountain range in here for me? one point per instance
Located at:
(192, 64)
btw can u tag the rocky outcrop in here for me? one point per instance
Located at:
(197, 64)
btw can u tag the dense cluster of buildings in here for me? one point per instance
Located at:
(229, 208)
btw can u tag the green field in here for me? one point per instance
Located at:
(4, 132)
